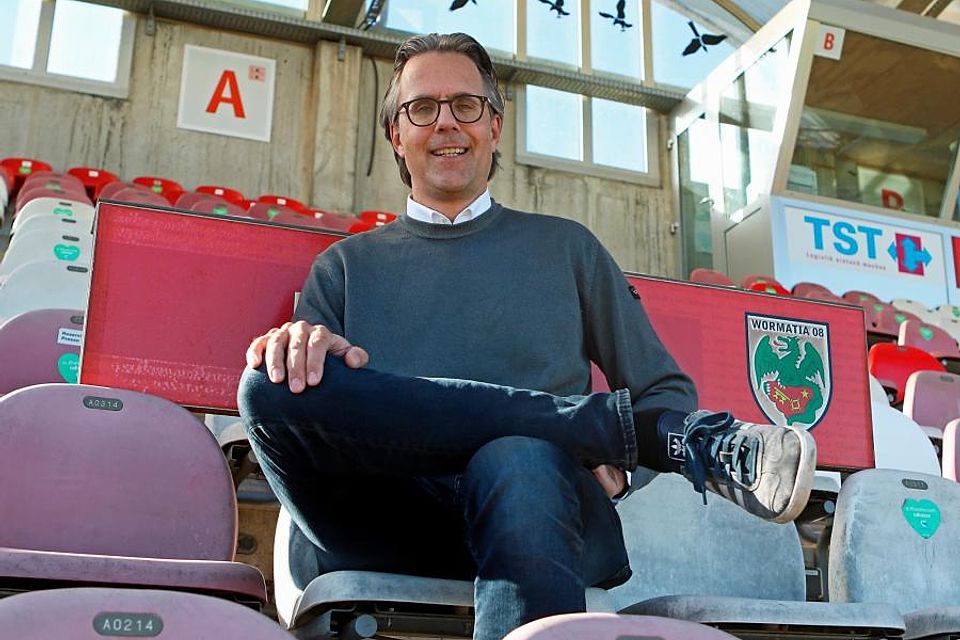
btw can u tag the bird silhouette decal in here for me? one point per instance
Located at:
(459, 4)
(556, 5)
(701, 41)
(620, 19)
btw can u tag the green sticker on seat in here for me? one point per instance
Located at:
(62, 211)
(899, 317)
(157, 188)
(877, 307)
(220, 210)
(69, 365)
(926, 333)
(272, 213)
(66, 252)
(25, 170)
(922, 515)
(956, 311)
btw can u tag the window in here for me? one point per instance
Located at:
(671, 34)
(493, 24)
(552, 35)
(68, 44)
(616, 44)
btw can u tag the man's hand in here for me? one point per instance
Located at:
(611, 478)
(296, 351)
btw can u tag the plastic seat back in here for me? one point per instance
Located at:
(50, 284)
(887, 322)
(140, 196)
(339, 222)
(93, 179)
(93, 613)
(804, 289)
(109, 190)
(54, 207)
(703, 275)
(930, 338)
(285, 201)
(951, 450)
(895, 540)
(36, 247)
(609, 626)
(377, 218)
(932, 398)
(28, 194)
(900, 443)
(50, 224)
(95, 470)
(165, 187)
(892, 365)
(40, 346)
(230, 195)
(20, 168)
(860, 297)
(53, 180)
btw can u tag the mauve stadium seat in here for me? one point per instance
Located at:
(702, 275)
(268, 211)
(804, 289)
(932, 339)
(53, 207)
(886, 324)
(113, 487)
(860, 297)
(36, 247)
(93, 179)
(230, 195)
(608, 626)
(719, 565)
(823, 296)
(932, 399)
(311, 604)
(115, 187)
(92, 613)
(49, 284)
(52, 179)
(30, 193)
(340, 222)
(895, 540)
(20, 168)
(892, 365)
(40, 346)
(951, 450)
(165, 187)
(284, 201)
(140, 196)
(208, 203)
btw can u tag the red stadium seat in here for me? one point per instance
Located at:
(40, 346)
(769, 286)
(702, 275)
(932, 399)
(92, 613)
(823, 296)
(284, 201)
(162, 186)
(230, 195)
(931, 339)
(20, 168)
(377, 218)
(159, 511)
(93, 179)
(339, 222)
(892, 364)
(860, 297)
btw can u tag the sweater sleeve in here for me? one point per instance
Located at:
(322, 297)
(622, 342)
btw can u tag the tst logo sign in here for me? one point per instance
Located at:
(864, 245)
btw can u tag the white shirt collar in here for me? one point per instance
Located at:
(473, 210)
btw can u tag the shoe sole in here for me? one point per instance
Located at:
(802, 486)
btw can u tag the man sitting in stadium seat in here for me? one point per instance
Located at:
(405, 465)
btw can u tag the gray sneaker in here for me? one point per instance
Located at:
(767, 470)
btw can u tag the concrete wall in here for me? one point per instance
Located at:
(324, 132)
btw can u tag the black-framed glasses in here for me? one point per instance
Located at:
(423, 112)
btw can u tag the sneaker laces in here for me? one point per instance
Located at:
(713, 444)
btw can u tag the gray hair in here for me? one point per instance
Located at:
(441, 43)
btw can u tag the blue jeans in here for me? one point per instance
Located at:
(449, 478)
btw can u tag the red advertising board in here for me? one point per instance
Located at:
(176, 298)
(768, 358)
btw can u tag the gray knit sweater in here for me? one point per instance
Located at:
(511, 298)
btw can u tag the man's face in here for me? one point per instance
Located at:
(448, 161)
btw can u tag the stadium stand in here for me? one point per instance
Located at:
(894, 541)
(932, 399)
(91, 613)
(94, 180)
(165, 187)
(892, 364)
(40, 346)
(736, 572)
(312, 605)
(605, 626)
(709, 276)
(230, 195)
(125, 523)
(48, 284)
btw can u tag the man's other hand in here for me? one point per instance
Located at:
(296, 351)
(611, 478)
